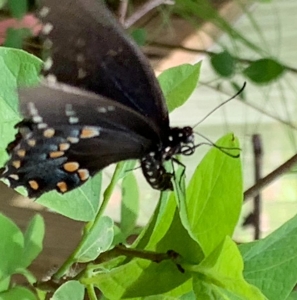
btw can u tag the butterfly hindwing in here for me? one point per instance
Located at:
(60, 147)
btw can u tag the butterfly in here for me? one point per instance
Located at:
(98, 103)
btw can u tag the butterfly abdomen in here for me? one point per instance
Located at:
(155, 172)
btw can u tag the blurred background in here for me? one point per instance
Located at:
(237, 41)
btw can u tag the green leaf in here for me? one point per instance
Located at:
(80, 204)
(11, 247)
(70, 290)
(18, 8)
(148, 239)
(159, 224)
(214, 196)
(17, 293)
(118, 236)
(4, 284)
(271, 263)
(219, 276)
(33, 240)
(2, 3)
(139, 36)
(264, 70)
(99, 239)
(15, 37)
(223, 63)
(293, 296)
(178, 83)
(129, 204)
(17, 68)
(165, 276)
(138, 277)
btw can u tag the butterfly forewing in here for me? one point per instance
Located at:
(65, 105)
(88, 49)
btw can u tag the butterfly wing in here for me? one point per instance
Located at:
(90, 50)
(63, 144)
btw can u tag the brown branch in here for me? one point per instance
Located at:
(263, 182)
(120, 250)
(210, 53)
(258, 162)
(143, 10)
(122, 11)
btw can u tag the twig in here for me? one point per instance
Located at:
(122, 11)
(143, 10)
(130, 252)
(210, 53)
(263, 182)
(258, 156)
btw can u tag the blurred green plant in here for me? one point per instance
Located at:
(185, 251)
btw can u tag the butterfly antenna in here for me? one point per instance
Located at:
(223, 103)
(222, 149)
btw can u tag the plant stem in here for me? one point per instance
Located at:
(106, 196)
(264, 181)
(143, 10)
(120, 250)
(210, 53)
(91, 292)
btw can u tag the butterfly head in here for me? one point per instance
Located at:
(180, 141)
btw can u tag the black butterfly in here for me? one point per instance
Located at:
(99, 103)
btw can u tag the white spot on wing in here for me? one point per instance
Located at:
(81, 73)
(47, 28)
(73, 140)
(41, 125)
(14, 177)
(80, 58)
(73, 120)
(47, 43)
(48, 64)
(51, 79)
(37, 119)
(44, 11)
(80, 42)
(102, 109)
(69, 110)
(32, 109)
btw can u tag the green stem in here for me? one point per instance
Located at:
(91, 292)
(121, 250)
(106, 196)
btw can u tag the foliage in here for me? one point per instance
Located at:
(185, 251)
(157, 263)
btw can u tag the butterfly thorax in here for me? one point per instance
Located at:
(179, 141)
